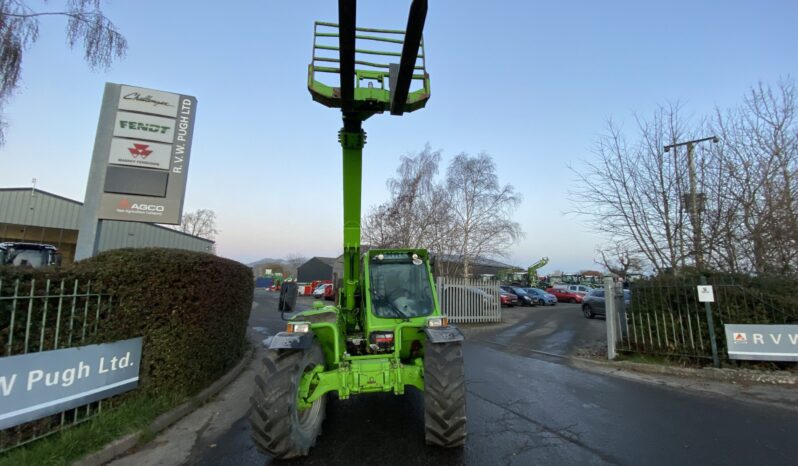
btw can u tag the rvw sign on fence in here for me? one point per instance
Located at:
(762, 342)
(36, 385)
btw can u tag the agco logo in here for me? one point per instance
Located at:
(140, 150)
(124, 204)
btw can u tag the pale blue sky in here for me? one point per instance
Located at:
(531, 83)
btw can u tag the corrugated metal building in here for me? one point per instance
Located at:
(37, 216)
(316, 268)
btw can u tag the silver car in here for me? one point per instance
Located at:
(593, 303)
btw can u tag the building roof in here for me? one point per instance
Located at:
(484, 261)
(327, 260)
(28, 206)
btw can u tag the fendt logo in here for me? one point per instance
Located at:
(126, 205)
(140, 150)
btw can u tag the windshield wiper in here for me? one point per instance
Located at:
(398, 313)
(401, 313)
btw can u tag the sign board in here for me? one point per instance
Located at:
(145, 154)
(762, 342)
(36, 385)
(706, 294)
(139, 153)
(139, 165)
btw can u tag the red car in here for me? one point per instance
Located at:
(329, 294)
(565, 296)
(508, 299)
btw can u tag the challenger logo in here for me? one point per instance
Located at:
(140, 150)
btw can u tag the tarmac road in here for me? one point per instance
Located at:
(524, 407)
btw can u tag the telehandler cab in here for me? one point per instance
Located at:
(386, 331)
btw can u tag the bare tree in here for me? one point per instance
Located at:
(618, 260)
(416, 209)
(633, 192)
(760, 155)
(417, 213)
(86, 24)
(201, 222)
(482, 209)
(747, 216)
(292, 263)
(464, 217)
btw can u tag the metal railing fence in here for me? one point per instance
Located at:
(469, 301)
(43, 315)
(664, 317)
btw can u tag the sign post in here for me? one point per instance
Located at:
(707, 295)
(610, 319)
(140, 161)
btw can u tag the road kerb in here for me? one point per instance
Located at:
(120, 446)
(709, 373)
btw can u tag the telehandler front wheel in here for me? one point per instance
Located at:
(278, 426)
(444, 395)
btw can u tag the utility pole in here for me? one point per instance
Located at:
(695, 201)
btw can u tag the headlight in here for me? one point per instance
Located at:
(298, 327)
(438, 322)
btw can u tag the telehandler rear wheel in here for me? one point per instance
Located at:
(444, 395)
(278, 427)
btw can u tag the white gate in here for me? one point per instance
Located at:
(469, 300)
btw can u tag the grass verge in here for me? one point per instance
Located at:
(75, 442)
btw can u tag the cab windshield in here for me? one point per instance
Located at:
(400, 288)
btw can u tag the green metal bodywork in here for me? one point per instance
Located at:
(532, 271)
(352, 375)
(354, 315)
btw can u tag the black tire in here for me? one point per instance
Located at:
(444, 395)
(278, 428)
(542, 302)
(572, 301)
(588, 311)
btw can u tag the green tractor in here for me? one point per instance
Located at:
(387, 331)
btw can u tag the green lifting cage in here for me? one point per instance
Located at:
(374, 62)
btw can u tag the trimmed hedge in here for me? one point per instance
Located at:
(667, 318)
(191, 308)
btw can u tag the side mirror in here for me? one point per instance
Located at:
(288, 293)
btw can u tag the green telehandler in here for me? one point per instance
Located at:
(386, 331)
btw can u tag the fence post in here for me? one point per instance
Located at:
(711, 325)
(610, 317)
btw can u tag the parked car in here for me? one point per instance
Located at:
(541, 296)
(523, 298)
(329, 292)
(466, 295)
(594, 303)
(318, 292)
(565, 296)
(508, 299)
(578, 289)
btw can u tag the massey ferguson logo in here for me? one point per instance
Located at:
(140, 150)
(124, 204)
